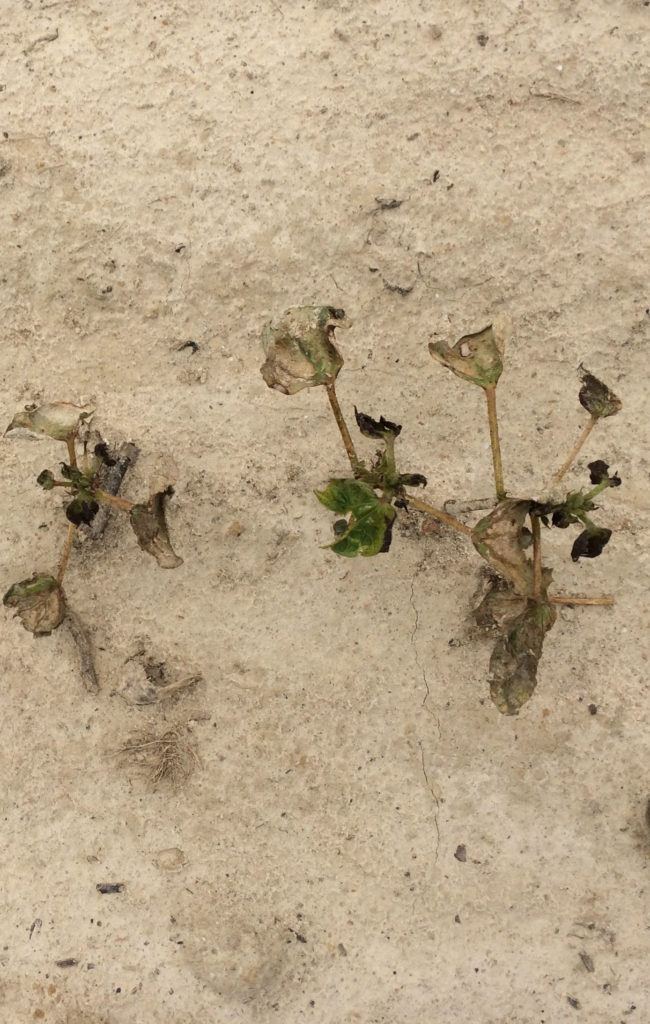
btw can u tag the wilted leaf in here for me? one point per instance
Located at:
(39, 602)
(412, 480)
(369, 527)
(300, 352)
(59, 420)
(498, 538)
(590, 543)
(380, 428)
(476, 357)
(596, 397)
(150, 527)
(514, 661)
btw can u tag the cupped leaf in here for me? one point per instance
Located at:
(476, 357)
(590, 543)
(59, 420)
(45, 479)
(368, 529)
(380, 428)
(39, 603)
(596, 397)
(299, 348)
(514, 661)
(150, 527)
(499, 539)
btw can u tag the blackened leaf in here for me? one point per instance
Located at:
(514, 661)
(562, 519)
(82, 510)
(476, 357)
(596, 397)
(39, 602)
(412, 480)
(599, 472)
(150, 527)
(45, 480)
(590, 543)
(102, 452)
(300, 352)
(376, 428)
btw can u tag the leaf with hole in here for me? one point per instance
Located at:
(475, 358)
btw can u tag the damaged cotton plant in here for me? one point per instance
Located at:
(39, 601)
(518, 605)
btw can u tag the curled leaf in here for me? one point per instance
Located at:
(150, 527)
(59, 420)
(380, 428)
(596, 397)
(39, 603)
(590, 543)
(476, 357)
(514, 661)
(412, 480)
(368, 529)
(299, 348)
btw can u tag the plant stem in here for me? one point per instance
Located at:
(581, 440)
(123, 504)
(342, 425)
(66, 552)
(72, 453)
(491, 398)
(438, 514)
(537, 557)
(567, 599)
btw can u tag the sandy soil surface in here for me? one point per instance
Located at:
(361, 837)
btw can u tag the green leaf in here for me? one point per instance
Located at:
(345, 496)
(476, 357)
(39, 603)
(300, 351)
(368, 529)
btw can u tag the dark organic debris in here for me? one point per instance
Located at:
(109, 887)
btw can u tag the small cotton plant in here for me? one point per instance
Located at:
(39, 601)
(518, 604)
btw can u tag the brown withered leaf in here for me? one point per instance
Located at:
(300, 350)
(39, 603)
(59, 420)
(498, 539)
(500, 604)
(514, 661)
(150, 527)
